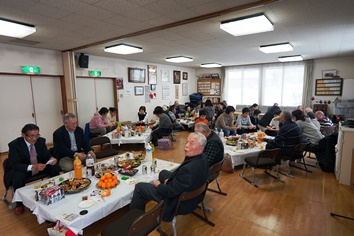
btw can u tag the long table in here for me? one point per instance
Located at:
(143, 138)
(120, 197)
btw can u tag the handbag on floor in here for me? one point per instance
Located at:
(227, 164)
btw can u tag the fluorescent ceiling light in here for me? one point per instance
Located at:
(179, 59)
(274, 48)
(247, 25)
(123, 49)
(15, 29)
(210, 65)
(290, 58)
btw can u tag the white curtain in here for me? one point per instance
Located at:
(308, 84)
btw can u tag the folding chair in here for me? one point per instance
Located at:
(105, 152)
(214, 172)
(266, 159)
(298, 153)
(136, 222)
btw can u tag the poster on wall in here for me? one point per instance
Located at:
(152, 74)
(176, 91)
(129, 89)
(147, 94)
(119, 83)
(166, 91)
(165, 75)
(184, 89)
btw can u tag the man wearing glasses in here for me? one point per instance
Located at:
(28, 156)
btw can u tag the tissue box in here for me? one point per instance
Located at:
(164, 144)
(52, 194)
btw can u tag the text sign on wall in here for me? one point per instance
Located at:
(30, 69)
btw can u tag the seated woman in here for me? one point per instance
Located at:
(99, 124)
(309, 131)
(142, 118)
(244, 122)
(274, 125)
(111, 116)
(162, 127)
(196, 109)
(188, 112)
(201, 118)
(209, 110)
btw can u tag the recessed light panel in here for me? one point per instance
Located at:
(210, 65)
(179, 59)
(15, 29)
(123, 49)
(290, 58)
(275, 48)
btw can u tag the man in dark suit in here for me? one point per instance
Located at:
(190, 175)
(28, 156)
(69, 142)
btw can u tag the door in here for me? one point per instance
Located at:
(48, 105)
(86, 100)
(16, 107)
(92, 94)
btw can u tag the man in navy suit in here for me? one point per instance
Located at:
(189, 176)
(69, 142)
(28, 156)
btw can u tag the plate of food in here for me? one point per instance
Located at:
(231, 142)
(129, 163)
(128, 171)
(107, 166)
(101, 173)
(75, 185)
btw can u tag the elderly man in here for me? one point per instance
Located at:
(28, 156)
(214, 149)
(69, 142)
(322, 119)
(289, 135)
(190, 175)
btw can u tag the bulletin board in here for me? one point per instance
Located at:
(209, 87)
(329, 87)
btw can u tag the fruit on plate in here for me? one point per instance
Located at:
(108, 181)
(106, 193)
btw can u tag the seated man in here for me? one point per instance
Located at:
(225, 122)
(253, 108)
(244, 122)
(28, 156)
(274, 125)
(214, 148)
(268, 116)
(255, 118)
(322, 119)
(162, 127)
(190, 175)
(69, 142)
(288, 137)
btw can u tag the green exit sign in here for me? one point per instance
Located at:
(95, 73)
(31, 69)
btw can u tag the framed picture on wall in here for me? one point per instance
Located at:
(119, 83)
(152, 74)
(328, 73)
(139, 90)
(185, 75)
(176, 77)
(136, 75)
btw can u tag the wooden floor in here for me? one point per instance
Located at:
(301, 206)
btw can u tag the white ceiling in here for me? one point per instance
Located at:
(315, 28)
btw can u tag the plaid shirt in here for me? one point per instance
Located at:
(214, 149)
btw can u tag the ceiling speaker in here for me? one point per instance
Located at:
(83, 60)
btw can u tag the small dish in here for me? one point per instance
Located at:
(86, 203)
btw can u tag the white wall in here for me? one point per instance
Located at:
(128, 105)
(13, 57)
(345, 69)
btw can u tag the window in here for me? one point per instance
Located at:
(265, 84)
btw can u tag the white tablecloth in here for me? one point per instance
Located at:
(144, 138)
(238, 156)
(120, 197)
